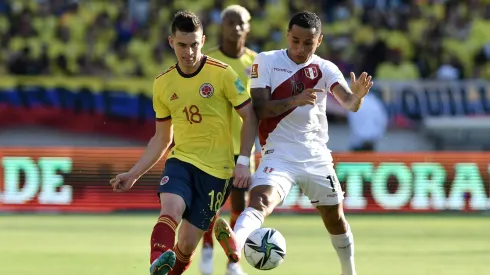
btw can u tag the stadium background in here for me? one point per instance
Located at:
(75, 109)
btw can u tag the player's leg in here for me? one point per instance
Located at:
(206, 265)
(209, 194)
(239, 200)
(340, 234)
(325, 192)
(189, 237)
(175, 194)
(270, 185)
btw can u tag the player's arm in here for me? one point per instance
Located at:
(249, 128)
(162, 139)
(155, 149)
(260, 91)
(346, 97)
(351, 97)
(239, 97)
(265, 107)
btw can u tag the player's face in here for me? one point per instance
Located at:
(302, 43)
(187, 47)
(234, 27)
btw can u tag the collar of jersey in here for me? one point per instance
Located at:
(203, 62)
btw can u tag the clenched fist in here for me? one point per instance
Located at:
(307, 97)
(123, 182)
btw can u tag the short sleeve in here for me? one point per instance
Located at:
(161, 110)
(260, 75)
(333, 76)
(234, 89)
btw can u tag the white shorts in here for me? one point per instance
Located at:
(317, 180)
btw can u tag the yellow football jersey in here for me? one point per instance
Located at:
(201, 106)
(243, 66)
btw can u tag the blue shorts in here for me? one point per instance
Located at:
(203, 194)
(242, 189)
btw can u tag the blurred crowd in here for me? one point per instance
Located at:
(392, 39)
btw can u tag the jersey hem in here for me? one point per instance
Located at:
(205, 169)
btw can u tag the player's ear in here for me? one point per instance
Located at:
(203, 39)
(171, 41)
(246, 27)
(320, 39)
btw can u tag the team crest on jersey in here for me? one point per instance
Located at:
(255, 71)
(164, 180)
(311, 72)
(206, 90)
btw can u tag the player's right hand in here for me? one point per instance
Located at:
(123, 182)
(307, 97)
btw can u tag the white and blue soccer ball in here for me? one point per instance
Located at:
(265, 248)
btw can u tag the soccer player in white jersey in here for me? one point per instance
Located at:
(289, 95)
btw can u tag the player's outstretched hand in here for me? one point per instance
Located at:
(241, 176)
(307, 97)
(360, 87)
(123, 182)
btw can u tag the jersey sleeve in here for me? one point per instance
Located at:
(333, 76)
(260, 75)
(234, 89)
(162, 112)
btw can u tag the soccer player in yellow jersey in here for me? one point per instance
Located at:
(193, 102)
(234, 29)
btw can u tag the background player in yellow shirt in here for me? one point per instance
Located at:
(235, 26)
(193, 101)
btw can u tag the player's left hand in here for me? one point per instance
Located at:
(241, 176)
(360, 87)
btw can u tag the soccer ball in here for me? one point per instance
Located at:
(265, 248)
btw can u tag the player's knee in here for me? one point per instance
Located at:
(172, 205)
(264, 199)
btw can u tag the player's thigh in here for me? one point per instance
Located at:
(189, 237)
(321, 185)
(175, 189)
(272, 174)
(209, 195)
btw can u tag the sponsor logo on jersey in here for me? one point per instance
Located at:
(283, 70)
(164, 180)
(239, 86)
(206, 90)
(255, 71)
(174, 97)
(311, 73)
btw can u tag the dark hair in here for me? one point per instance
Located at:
(307, 20)
(186, 21)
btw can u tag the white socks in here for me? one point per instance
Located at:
(249, 220)
(344, 245)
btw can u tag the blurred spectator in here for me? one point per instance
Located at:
(368, 125)
(395, 68)
(392, 39)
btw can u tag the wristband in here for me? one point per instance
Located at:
(243, 160)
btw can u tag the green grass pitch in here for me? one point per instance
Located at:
(119, 244)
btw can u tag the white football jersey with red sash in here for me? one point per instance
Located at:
(301, 134)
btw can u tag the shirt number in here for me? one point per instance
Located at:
(192, 114)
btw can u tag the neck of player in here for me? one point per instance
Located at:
(193, 69)
(233, 49)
